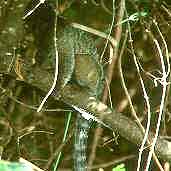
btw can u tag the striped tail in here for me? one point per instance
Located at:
(80, 144)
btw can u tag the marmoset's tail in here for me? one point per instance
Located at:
(80, 144)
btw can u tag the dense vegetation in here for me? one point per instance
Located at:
(132, 41)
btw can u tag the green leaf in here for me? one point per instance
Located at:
(120, 167)
(14, 166)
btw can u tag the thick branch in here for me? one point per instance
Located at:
(78, 96)
(117, 121)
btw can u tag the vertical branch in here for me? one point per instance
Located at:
(110, 69)
(118, 33)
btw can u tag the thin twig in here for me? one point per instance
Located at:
(114, 162)
(110, 31)
(56, 65)
(57, 151)
(117, 36)
(164, 89)
(31, 11)
(31, 106)
(95, 32)
(166, 10)
(148, 107)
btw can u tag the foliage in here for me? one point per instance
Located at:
(120, 167)
(27, 69)
(13, 166)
